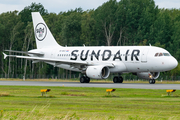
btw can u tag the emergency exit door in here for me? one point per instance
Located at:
(144, 55)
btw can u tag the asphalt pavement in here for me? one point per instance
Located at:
(93, 84)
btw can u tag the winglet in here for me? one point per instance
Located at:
(5, 55)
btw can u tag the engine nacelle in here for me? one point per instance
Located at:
(148, 75)
(98, 72)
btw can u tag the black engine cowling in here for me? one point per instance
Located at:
(98, 72)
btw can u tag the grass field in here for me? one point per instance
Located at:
(71, 103)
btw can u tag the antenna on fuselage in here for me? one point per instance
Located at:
(149, 44)
(84, 45)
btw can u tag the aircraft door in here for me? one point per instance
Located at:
(144, 55)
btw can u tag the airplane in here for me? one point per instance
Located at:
(97, 62)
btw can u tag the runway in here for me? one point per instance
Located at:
(104, 85)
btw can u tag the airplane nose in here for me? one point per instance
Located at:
(174, 63)
(170, 64)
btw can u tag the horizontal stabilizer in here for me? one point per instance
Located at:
(5, 55)
(24, 52)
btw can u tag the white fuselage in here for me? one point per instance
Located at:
(124, 58)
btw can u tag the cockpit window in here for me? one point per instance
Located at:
(156, 54)
(160, 54)
(166, 54)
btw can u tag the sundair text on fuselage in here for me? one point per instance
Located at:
(106, 55)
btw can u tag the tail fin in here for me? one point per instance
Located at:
(43, 36)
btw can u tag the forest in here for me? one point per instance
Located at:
(123, 23)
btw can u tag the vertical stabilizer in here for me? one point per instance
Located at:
(43, 36)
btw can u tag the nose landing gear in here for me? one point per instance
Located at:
(152, 81)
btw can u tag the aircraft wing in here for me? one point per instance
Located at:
(60, 61)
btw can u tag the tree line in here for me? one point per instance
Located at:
(123, 23)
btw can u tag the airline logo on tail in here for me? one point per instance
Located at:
(40, 31)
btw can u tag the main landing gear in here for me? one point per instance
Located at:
(84, 79)
(118, 79)
(152, 81)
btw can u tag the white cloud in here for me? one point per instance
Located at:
(7, 8)
(168, 4)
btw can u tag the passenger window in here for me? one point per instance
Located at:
(156, 54)
(160, 54)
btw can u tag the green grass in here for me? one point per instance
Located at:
(66, 103)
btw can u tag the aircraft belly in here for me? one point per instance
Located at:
(68, 67)
(64, 66)
(134, 67)
(119, 67)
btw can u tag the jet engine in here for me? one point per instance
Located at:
(98, 72)
(148, 75)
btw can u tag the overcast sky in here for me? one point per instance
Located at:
(57, 6)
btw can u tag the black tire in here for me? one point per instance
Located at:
(87, 79)
(82, 79)
(120, 79)
(152, 81)
(115, 79)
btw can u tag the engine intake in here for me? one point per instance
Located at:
(98, 72)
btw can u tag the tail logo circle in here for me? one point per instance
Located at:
(40, 31)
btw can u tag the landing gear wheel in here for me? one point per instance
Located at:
(87, 79)
(152, 81)
(120, 79)
(115, 79)
(84, 79)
